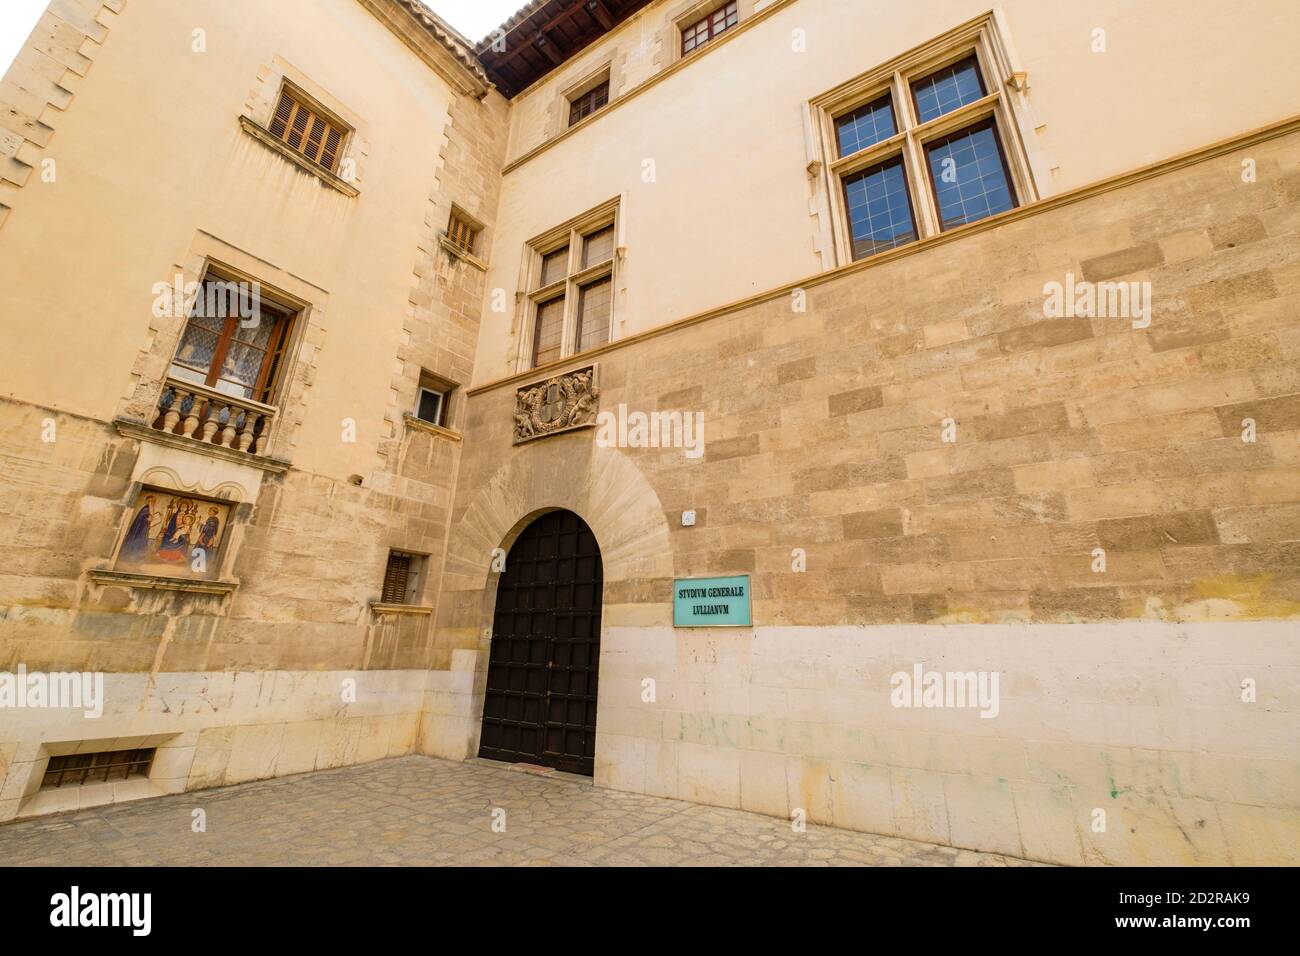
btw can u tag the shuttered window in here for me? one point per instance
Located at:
(461, 233)
(306, 130)
(397, 578)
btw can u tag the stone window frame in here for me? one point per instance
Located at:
(532, 293)
(1005, 104)
(690, 12)
(149, 372)
(582, 78)
(478, 233)
(259, 109)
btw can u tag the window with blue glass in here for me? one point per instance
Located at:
(879, 209)
(948, 89)
(916, 150)
(969, 175)
(865, 126)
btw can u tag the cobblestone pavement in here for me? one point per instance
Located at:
(426, 812)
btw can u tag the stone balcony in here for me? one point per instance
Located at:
(198, 418)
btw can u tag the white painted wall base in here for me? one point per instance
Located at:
(1143, 721)
(212, 729)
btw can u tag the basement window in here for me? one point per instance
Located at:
(75, 770)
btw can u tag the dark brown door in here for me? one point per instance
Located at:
(541, 689)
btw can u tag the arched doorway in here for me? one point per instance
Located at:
(540, 705)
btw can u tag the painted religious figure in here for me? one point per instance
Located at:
(174, 535)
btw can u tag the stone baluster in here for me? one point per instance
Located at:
(191, 423)
(173, 414)
(250, 425)
(211, 420)
(228, 432)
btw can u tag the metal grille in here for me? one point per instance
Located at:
(73, 770)
(540, 705)
(461, 233)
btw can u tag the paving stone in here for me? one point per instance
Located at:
(420, 811)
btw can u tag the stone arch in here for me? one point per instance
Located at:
(600, 485)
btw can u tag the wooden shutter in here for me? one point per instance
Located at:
(395, 578)
(317, 137)
(283, 114)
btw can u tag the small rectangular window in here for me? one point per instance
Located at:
(461, 232)
(75, 770)
(401, 578)
(307, 130)
(582, 106)
(431, 406)
(705, 29)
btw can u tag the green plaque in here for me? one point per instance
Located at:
(711, 602)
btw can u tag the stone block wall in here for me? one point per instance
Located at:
(915, 464)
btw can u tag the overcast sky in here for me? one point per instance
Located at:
(474, 18)
(17, 17)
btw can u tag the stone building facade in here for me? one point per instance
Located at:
(941, 457)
